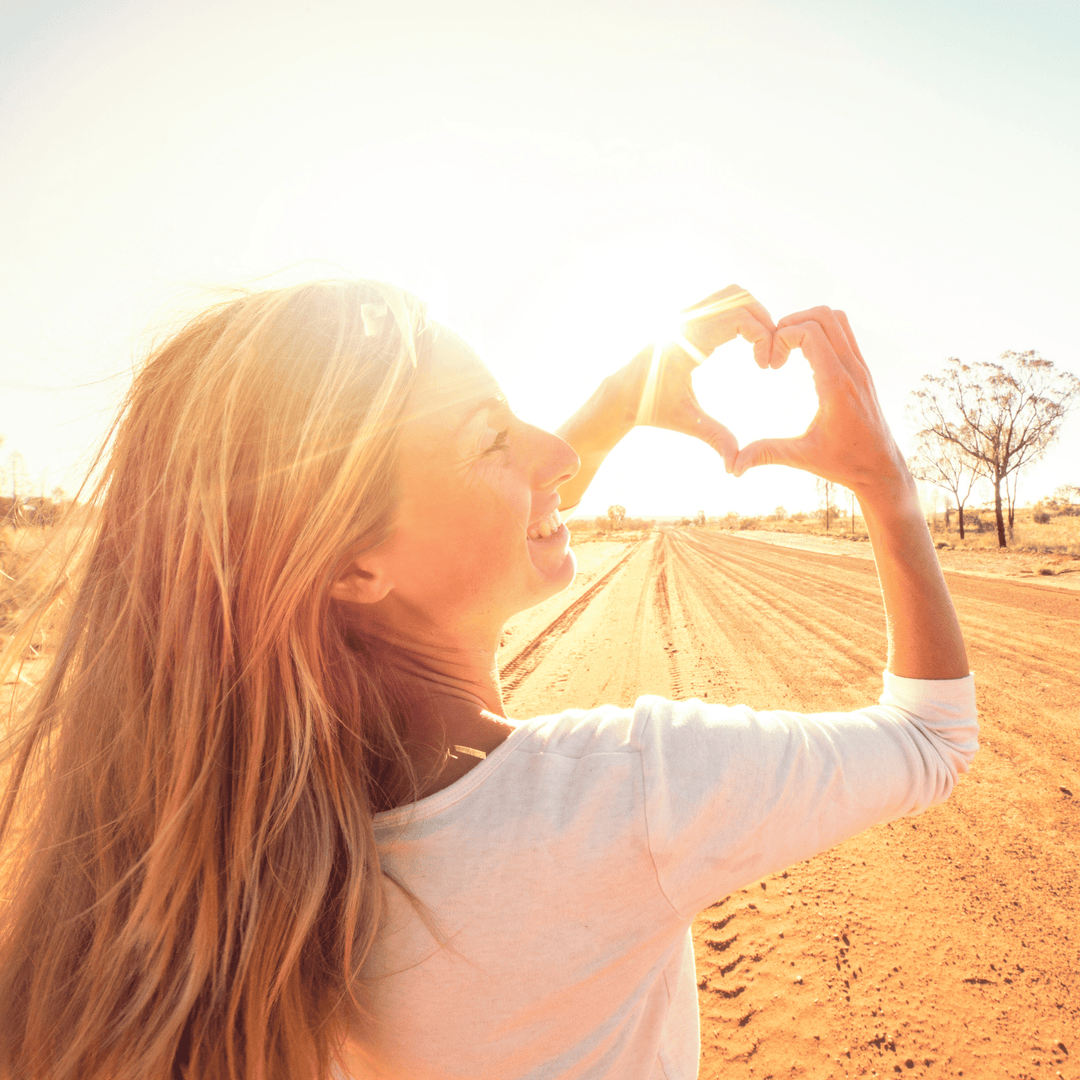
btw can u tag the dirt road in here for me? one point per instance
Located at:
(944, 945)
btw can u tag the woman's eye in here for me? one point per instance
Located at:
(499, 442)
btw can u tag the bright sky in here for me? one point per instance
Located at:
(554, 179)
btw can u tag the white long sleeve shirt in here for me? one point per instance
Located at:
(563, 873)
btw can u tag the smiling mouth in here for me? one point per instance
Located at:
(545, 527)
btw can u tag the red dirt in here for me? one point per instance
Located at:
(939, 946)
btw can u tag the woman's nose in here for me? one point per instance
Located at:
(555, 461)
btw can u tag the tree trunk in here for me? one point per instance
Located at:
(998, 514)
(960, 517)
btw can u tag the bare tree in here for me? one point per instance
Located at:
(18, 478)
(1001, 415)
(1011, 484)
(828, 490)
(946, 465)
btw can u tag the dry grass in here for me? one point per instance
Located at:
(29, 560)
(1060, 536)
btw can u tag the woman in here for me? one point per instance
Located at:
(266, 816)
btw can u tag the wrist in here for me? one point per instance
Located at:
(616, 403)
(897, 526)
(598, 426)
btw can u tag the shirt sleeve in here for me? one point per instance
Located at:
(732, 794)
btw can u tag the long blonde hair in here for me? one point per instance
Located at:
(190, 881)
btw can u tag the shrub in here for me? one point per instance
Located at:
(1041, 517)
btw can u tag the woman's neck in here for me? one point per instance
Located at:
(462, 678)
(451, 697)
(447, 680)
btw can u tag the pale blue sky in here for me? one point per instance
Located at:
(553, 178)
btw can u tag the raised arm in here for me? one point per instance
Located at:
(655, 389)
(849, 442)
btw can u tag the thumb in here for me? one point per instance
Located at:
(718, 437)
(766, 452)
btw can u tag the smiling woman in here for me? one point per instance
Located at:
(266, 816)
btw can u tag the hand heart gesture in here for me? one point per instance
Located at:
(848, 441)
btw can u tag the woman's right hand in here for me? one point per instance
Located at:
(848, 441)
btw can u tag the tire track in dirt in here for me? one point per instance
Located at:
(663, 603)
(532, 654)
(776, 621)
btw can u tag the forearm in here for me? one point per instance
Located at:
(924, 635)
(596, 428)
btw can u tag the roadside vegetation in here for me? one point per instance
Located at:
(1050, 527)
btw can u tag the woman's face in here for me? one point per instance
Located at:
(476, 537)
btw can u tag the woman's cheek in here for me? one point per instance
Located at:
(499, 485)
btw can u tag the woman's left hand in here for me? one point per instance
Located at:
(657, 384)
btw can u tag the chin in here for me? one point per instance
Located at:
(559, 577)
(549, 577)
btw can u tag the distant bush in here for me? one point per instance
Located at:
(974, 522)
(604, 524)
(749, 522)
(1041, 517)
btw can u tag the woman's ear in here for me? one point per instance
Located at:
(364, 581)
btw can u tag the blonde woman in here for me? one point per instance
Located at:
(266, 817)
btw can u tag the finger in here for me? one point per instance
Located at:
(699, 341)
(729, 313)
(767, 452)
(826, 318)
(779, 352)
(719, 438)
(811, 338)
(843, 320)
(734, 296)
(752, 329)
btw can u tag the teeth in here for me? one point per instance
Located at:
(545, 528)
